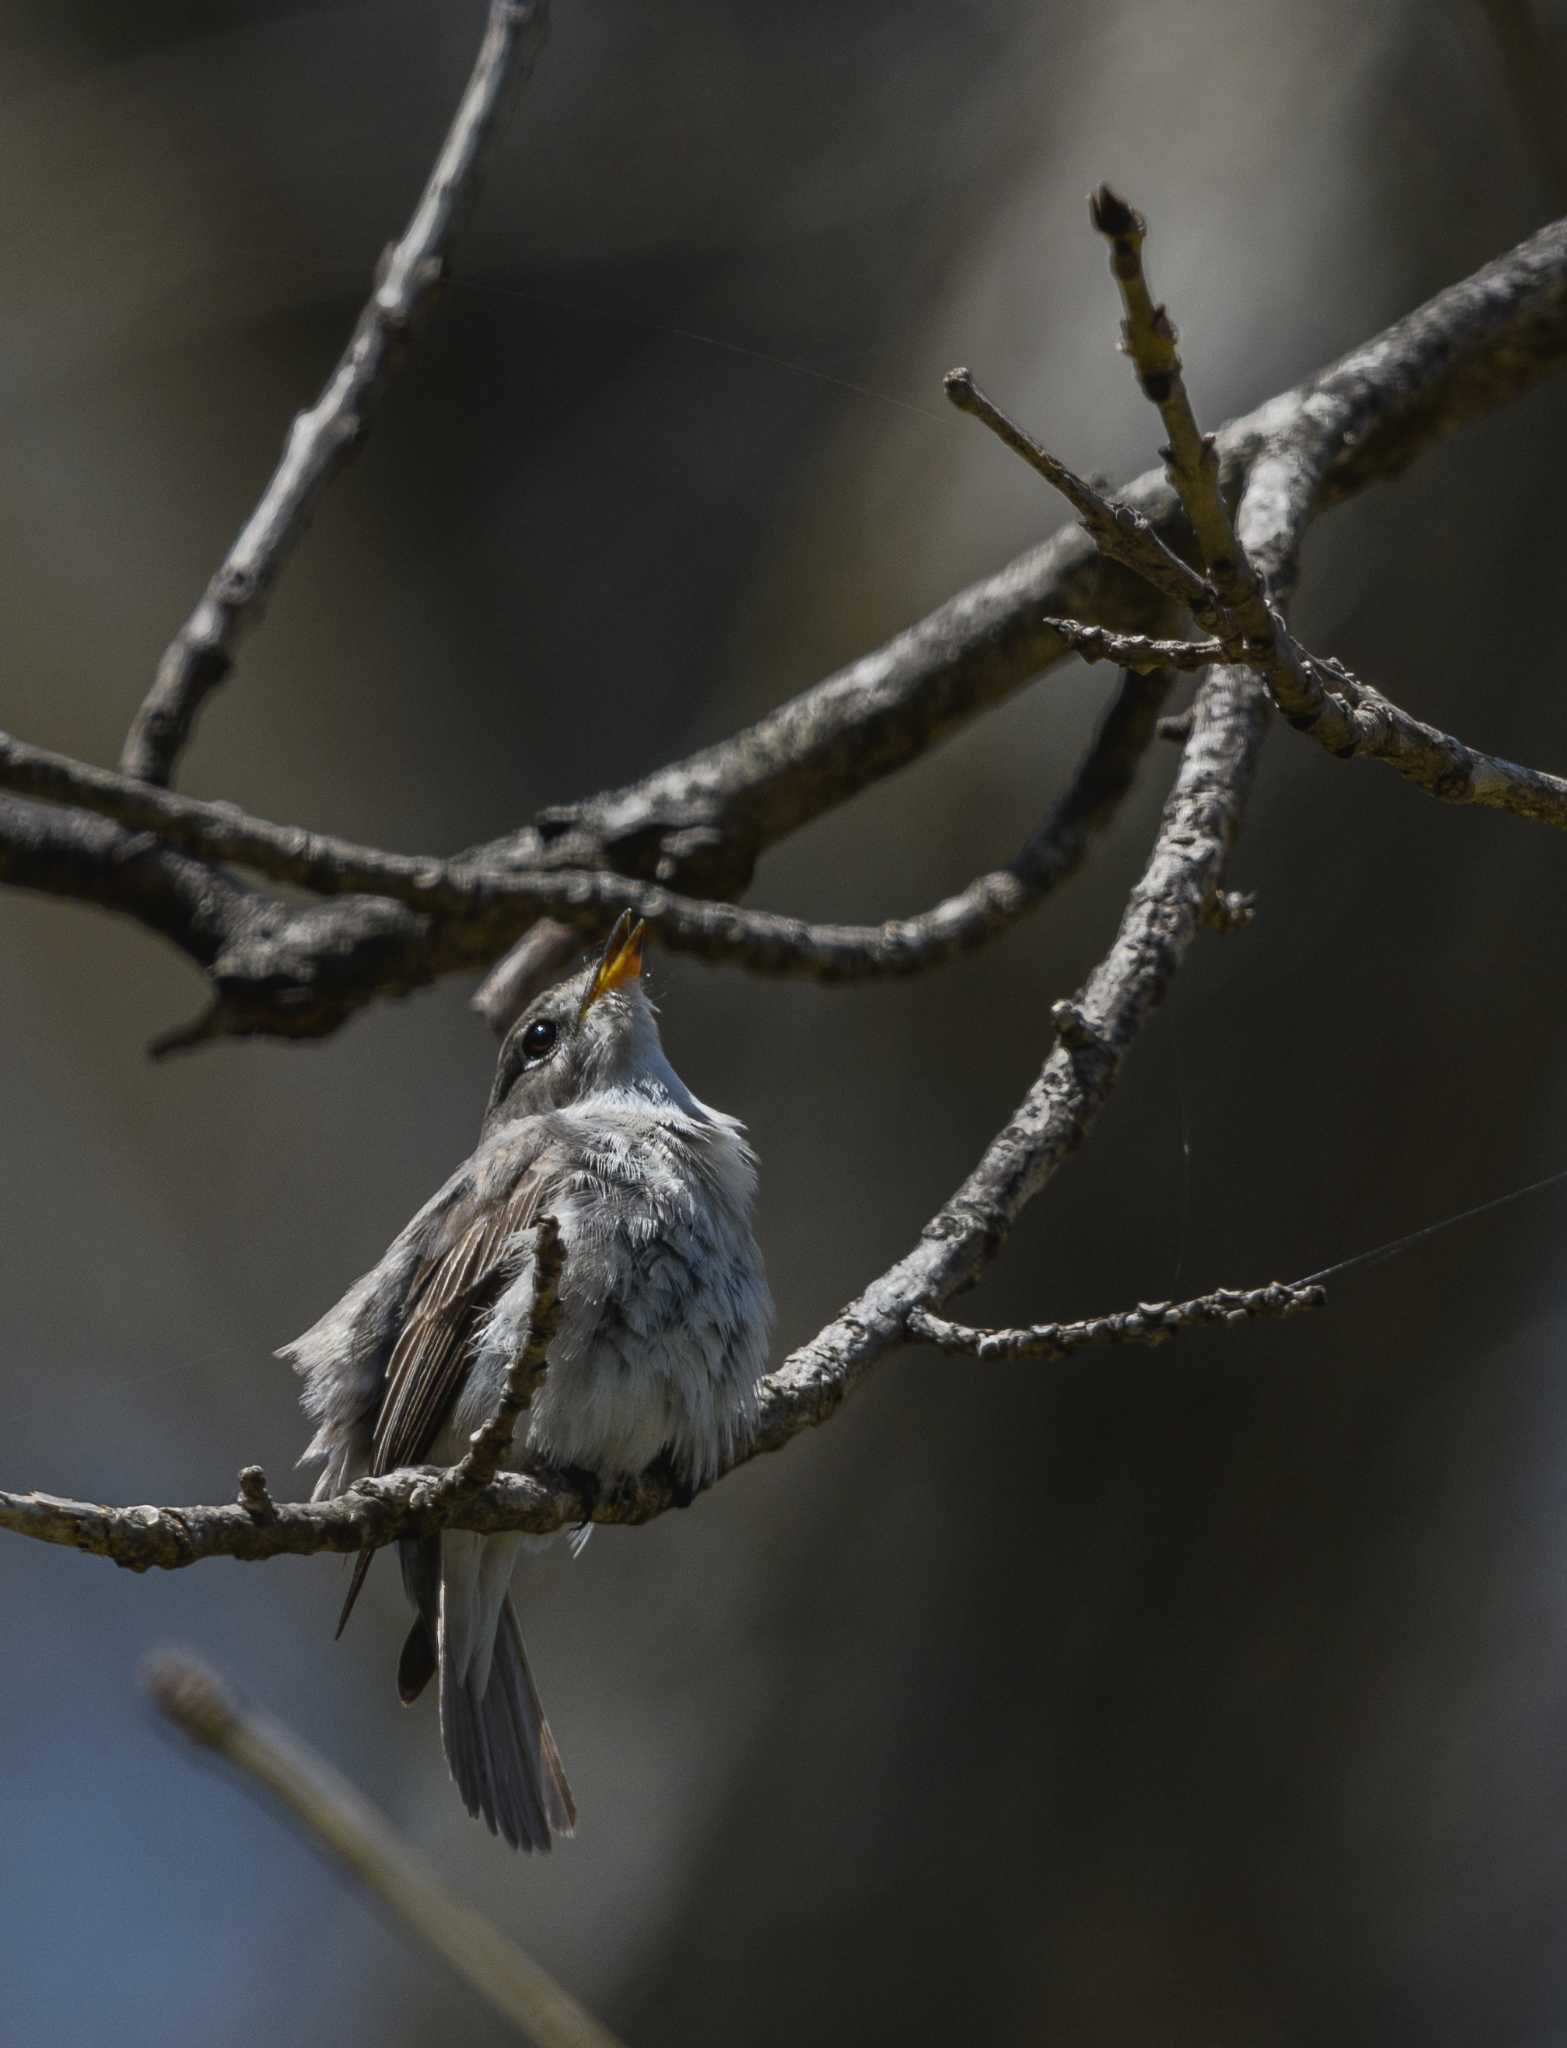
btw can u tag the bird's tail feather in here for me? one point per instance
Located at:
(500, 1749)
(498, 1743)
(420, 1557)
(362, 1564)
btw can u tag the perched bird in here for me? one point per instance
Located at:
(662, 1335)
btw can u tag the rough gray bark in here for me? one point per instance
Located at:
(481, 907)
(1151, 1322)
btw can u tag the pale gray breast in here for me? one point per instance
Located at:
(665, 1311)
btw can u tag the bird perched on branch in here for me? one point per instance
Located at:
(662, 1335)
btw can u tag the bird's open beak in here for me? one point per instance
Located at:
(620, 961)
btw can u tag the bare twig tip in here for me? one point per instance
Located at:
(181, 1687)
(254, 1497)
(1074, 1029)
(1112, 216)
(1230, 910)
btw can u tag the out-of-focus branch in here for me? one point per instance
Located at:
(1151, 1322)
(342, 1821)
(90, 859)
(539, 957)
(202, 652)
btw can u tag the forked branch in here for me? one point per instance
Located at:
(696, 827)
(1470, 348)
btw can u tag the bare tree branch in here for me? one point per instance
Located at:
(342, 1821)
(1118, 530)
(1135, 651)
(486, 905)
(1095, 1029)
(1320, 698)
(1377, 730)
(539, 957)
(1323, 699)
(202, 652)
(699, 824)
(1151, 1322)
(1181, 890)
(286, 969)
(89, 859)
(1192, 457)
(254, 1496)
(1167, 908)
(1475, 346)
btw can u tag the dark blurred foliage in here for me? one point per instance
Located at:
(1212, 1695)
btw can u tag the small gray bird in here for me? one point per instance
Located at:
(662, 1336)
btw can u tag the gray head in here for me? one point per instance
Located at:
(595, 1033)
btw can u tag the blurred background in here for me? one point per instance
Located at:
(1237, 1716)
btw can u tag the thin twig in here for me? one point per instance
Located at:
(1151, 1322)
(1136, 651)
(1318, 697)
(1117, 529)
(492, 1440)
(343, 1822)
(254, 1495)
(1247, 624)
(202, 652)
(1192, 458)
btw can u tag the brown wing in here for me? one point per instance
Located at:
(451, 1292)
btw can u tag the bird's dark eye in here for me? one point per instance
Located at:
(540, 1037)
